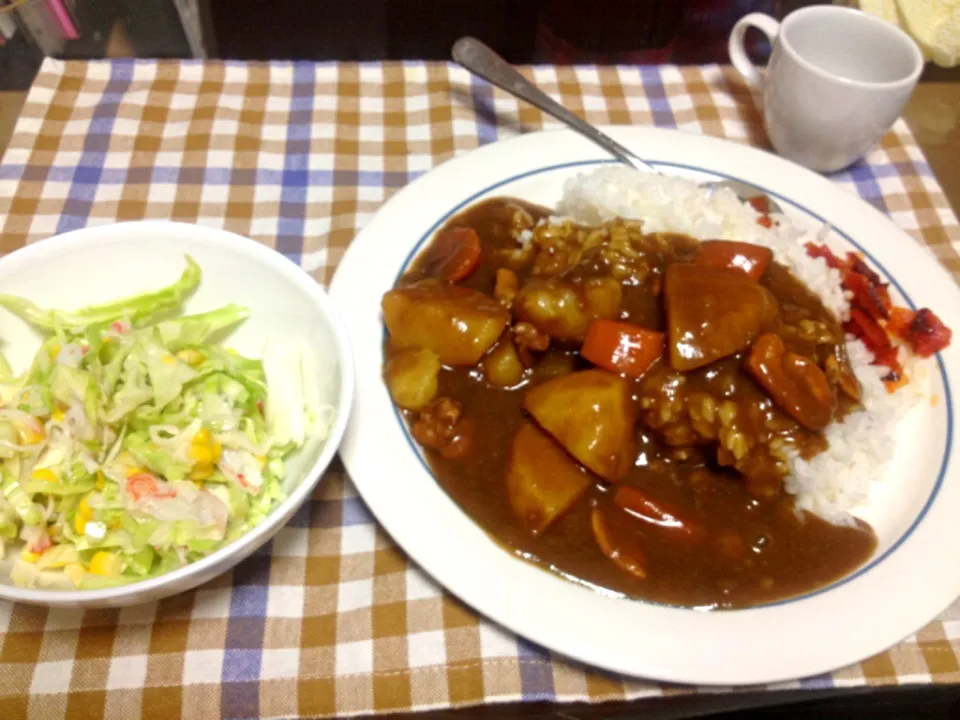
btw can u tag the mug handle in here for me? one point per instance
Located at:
(738, 54)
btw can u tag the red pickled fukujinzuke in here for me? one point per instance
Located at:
(761, 203)
(877, 322)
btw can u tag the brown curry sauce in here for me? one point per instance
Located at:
(750, 548)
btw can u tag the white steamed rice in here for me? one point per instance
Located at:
(838, 480)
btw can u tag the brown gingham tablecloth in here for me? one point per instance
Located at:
(331, 617)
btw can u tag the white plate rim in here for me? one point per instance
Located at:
(756, 659)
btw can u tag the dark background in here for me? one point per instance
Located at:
(425, 29)
(939, 703)
(523, 31)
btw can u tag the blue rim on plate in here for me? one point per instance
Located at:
(883, 271)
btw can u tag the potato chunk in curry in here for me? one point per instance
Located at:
(590, 413)
(412, 377)
(502, 366)
(713, 312)
(553, 307)
(563, 310)
(457, 323)
(543, 482)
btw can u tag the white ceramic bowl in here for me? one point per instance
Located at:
(96, 264)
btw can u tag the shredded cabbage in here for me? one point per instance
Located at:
(136, 443)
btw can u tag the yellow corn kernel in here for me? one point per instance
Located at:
(100, 480)
(45, 474)
(201, 472)
(30, 435)
(191, 357)
(202, 454)
(83, 516)
(205, 450)
(168, 360)
(75, 572)
(30, 557)
(105, 563)
(210, 455)
(58, 415)
(261, 461)
(54, 351)
(136, 471)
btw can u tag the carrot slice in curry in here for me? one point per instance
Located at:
(630, 562)
(746, 257)
(794, 382)
(454, 254)
(621, 347)
(640, 505)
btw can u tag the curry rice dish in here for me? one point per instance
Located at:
(643, 411)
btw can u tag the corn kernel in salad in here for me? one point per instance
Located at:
(106, 564)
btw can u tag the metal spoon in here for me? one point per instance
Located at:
(485, 63)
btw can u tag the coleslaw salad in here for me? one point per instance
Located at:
(136, 443)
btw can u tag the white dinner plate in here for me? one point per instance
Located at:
(916, 510)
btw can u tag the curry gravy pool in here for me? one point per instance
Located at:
(655, 474)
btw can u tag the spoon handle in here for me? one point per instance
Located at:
(485, 63)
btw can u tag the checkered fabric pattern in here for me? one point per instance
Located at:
(331, 617)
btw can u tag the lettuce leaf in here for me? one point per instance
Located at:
(156, 459)
(191, 330)
(136, 309)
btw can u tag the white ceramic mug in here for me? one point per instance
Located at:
(837, 80)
